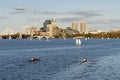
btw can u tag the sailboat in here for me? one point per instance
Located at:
(108, 38)
(85, 39)
(47, 39)
(78, 41)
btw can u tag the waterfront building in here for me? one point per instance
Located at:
(29, 30)
(51, 29)
(44, 34)
(48, 22)
(82, 27)
(50, 26)
(74, 25)
(70, 31)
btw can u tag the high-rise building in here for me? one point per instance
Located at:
(48, 22)
(83, 27)
(74, 25)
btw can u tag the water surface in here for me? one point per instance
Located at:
(60, 59)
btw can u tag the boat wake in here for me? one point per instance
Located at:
(104, 68)
(78, 71)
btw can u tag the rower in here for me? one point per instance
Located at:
(84, 60)
(34, 59)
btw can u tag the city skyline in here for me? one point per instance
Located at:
(99, 15)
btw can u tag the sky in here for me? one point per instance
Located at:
(98, 14)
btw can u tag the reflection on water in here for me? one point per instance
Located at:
(60, 59)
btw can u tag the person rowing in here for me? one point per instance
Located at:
(84, 60)
(34, 59)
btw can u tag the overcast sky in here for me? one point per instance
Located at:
(98, 14)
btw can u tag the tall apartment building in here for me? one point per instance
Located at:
(82, 27)
(74, 25)
(50, 26)
(48, 22)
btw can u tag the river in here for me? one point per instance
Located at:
(60, 59)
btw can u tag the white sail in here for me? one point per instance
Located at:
(85, 39)
(47, 39)
(78, 41)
